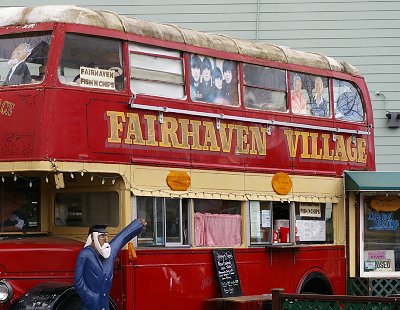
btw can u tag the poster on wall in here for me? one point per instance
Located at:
(379, 260)
(310, 230)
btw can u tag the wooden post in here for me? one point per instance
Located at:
(276, 300)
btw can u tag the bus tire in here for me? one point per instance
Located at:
(54, 296)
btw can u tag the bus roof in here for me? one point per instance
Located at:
(110, 20)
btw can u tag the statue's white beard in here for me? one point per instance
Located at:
(104, 250)
(12, 62)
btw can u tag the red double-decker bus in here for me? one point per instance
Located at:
(218, 143)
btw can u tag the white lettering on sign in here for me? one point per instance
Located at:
(97, 78)
(310, 210)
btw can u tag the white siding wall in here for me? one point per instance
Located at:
(364, 33)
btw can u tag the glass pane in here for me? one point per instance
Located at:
(264, 77)
(319, 101)
(381, 233)
(348, 104)
(217, 223)
(260, 222)
(91, 62)
(159, 221)
(159, 72)
(148, 49)
(309, 95)
(146, 210)
(264, 99)
(314, 223)
(281, 216)
(19, 204)
(173, 220)
(213, 80)
(154, 68)
(23, 58)
(158, 89)
(86, 209)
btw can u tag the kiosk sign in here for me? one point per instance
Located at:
(97, 78)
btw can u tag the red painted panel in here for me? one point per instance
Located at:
(186, 278)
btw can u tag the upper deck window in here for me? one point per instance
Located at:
(92, 62)
(309, 95)
(156, 71)
(265, 88)
(348, 104)
(23, 58)
(213, 80)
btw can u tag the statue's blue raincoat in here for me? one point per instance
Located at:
(93, 273)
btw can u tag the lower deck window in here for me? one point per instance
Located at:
(269, 222)
(167, 221)
(86, 209)
(284, 222)
(217, 223)
(19, 204)
(314, 223)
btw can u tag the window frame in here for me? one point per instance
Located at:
(244, 85)
(164, 207)
(236, 88)
(132, 78)
(323, 213)
(88, 191)
(335, 106)
(59, 72)
(361, 245)
(291, 219)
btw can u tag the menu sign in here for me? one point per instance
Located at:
(225, 265)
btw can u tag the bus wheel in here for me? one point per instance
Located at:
(316, 283)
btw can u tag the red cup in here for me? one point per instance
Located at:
(284, 232)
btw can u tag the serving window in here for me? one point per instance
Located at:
(156, 71)
(270, 222)
(274, 222)
(314, 223)
(264, 88)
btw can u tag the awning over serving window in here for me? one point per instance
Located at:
(372, 180)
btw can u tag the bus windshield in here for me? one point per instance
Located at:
(23, 58)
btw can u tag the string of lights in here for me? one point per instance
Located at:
(112, 179)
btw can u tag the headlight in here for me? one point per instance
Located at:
(6, 291)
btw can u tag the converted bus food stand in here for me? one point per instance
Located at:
(120, 120)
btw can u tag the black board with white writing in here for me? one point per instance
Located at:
(228, 277)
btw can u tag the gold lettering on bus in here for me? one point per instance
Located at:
(203, 135)
(342, 150)
(133, 130)
(6, 107)
(182, 133)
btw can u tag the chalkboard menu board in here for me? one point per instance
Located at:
(228, 277)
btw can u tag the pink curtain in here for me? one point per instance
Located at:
(217, 229)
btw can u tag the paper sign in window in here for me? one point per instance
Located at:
(97, 78)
